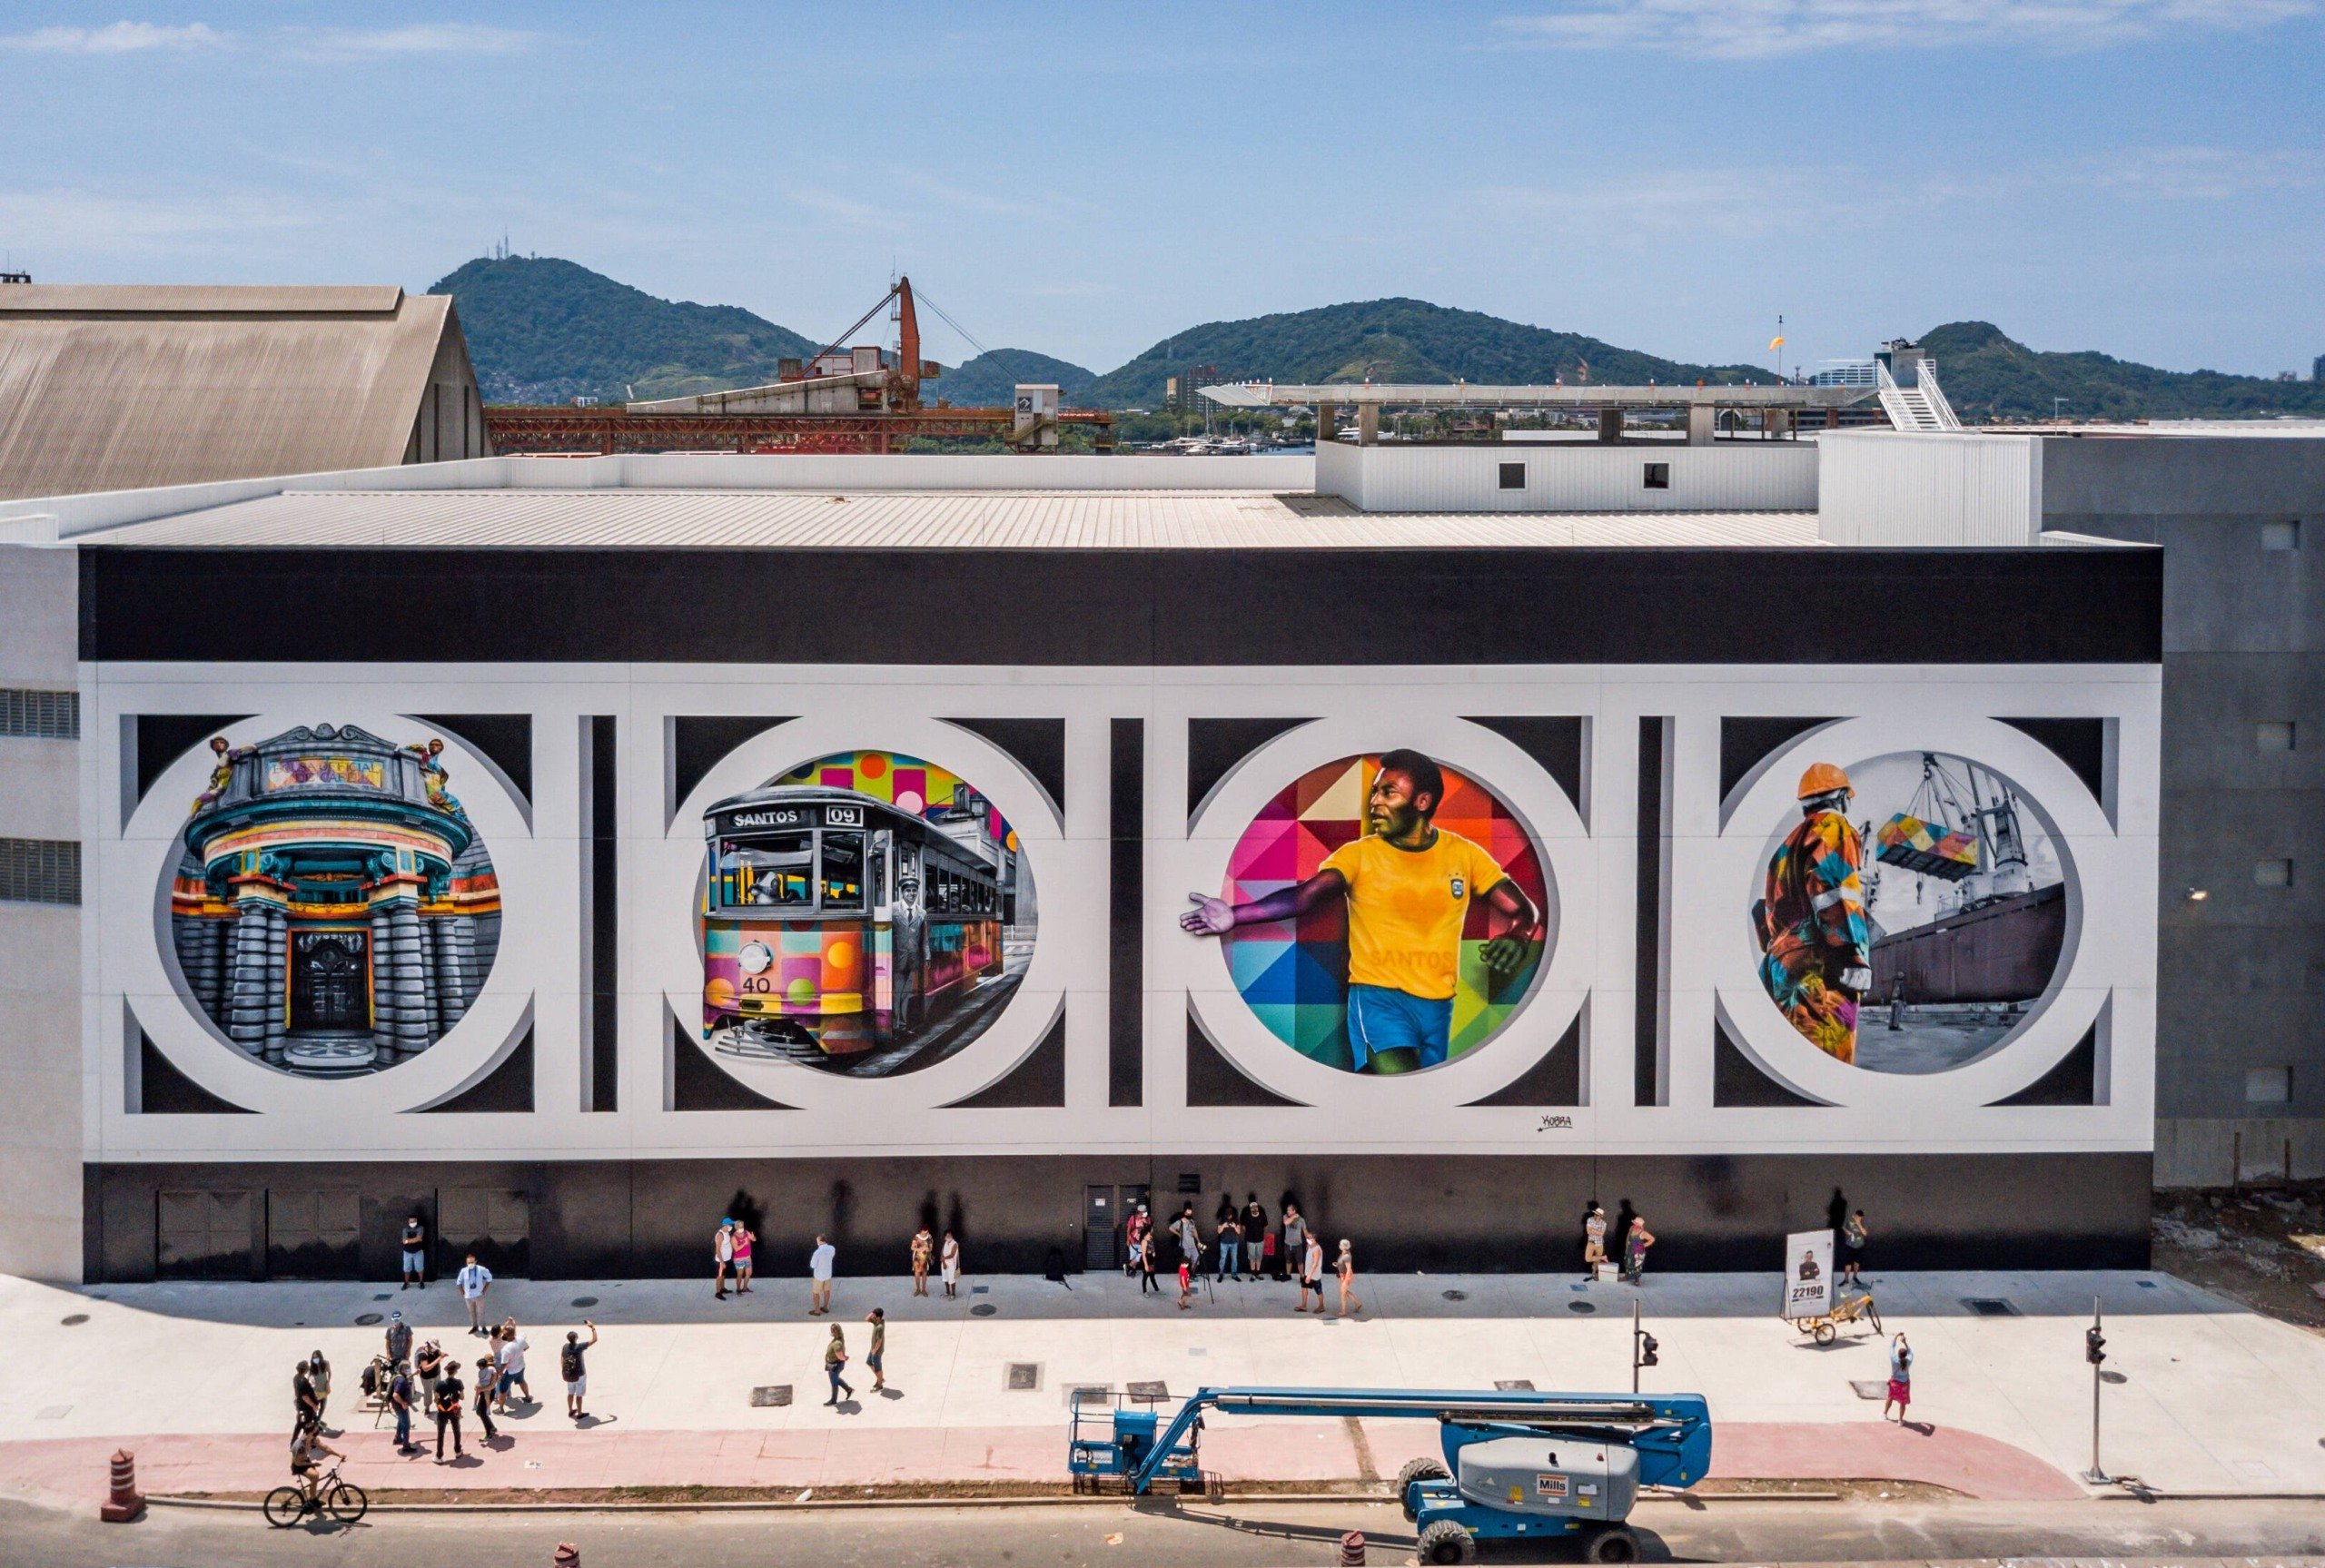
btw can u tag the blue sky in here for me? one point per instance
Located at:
(2146, 177)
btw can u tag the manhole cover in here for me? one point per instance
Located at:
(1580, 1307)
(983, 1309)
(1156, 1392)
(1077, 1393)
(365, 1319)
(1988, 1306)
(585, 1301)
(1514, 1384)
(77, 1319)
(1023, 1376)
(1457, 1296)
(382, 1297)
(770, 1394)
(1869, 1387)
(53, 1413)
(2112, 1377)
(980, 1290)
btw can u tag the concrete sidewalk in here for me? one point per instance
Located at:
(196, 1379)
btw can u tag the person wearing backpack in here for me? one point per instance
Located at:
(573, 1365)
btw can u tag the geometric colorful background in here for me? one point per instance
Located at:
(1293, 973)
(906, 783)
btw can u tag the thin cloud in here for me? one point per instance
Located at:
(1758, 29)
(432, 38)
(114, 38)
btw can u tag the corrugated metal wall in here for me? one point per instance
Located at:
(1891, 488)
(1740, 476)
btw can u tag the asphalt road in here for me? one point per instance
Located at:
(1246, 1535)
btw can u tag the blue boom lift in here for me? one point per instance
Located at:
(1518, 1463)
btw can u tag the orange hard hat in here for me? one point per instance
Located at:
(1822, 778)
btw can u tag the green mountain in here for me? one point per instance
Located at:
(991, 379)
(544, 330)
(1987, 376)
(1393, 341)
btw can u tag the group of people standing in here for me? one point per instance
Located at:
(1637, 1239)
(1246, 1247)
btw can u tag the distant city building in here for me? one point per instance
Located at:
(2317, 369)
(1179, 391)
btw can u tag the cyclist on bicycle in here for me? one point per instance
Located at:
(306, 1444)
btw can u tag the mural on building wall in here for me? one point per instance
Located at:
(334, 911)
(1382, 914)
(1911, 913)
(868, 914)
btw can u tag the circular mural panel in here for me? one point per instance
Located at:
(1381, 915)
(1911, 913)
(868, 914)
(333, 912)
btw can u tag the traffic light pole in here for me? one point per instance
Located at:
(2094, 1350)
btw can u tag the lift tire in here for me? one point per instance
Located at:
(1418, 1470)
(1615, 1544)
(1446, 1541)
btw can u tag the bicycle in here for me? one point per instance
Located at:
(342, 1499)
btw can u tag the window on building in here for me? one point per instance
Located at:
(41, 715)
(2273, 734)
(2284, 536)
(1658, 476)
(1513, 476)
(40, 871)
(2267, 1085)
(2272, 873)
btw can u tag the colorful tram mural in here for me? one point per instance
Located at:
(850, 907)
(334, 911)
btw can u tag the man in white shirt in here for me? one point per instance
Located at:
(722, 1256)
(474, 1279)
(512, 1365)
(819, 1269)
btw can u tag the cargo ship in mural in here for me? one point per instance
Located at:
(857, 916)
(1995, 935)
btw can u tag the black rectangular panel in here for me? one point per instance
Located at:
(1647, 976)
(1126, 930)
(605, 931)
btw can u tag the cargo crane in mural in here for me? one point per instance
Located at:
(1996, 934)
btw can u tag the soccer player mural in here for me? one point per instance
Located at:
(1365, 929)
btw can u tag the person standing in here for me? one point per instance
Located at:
(1295, 1241)
(1230, 1245)
(722, 1257)
(572, 1361)
(400, 1398)
(1594, 1240)
(1635, 1245)
(513, 1346)
(1146, 1265)
(319, 1374)
(428, 1367)
(875, 1357)
(949, 1262)
(1186, 1280)
(835, 1366)
(475, 1281)
(1854, 1236)
(487, 1384)
(1189, 1235)
(1255, 1235)
(1345, 1267)
(398, 1340)
(304, 1409)
(744, 1239)
(1311, 1274)
(820, 1262)
(1134, 1230)
(1901, 1378)
(924, 1249)
(415, 1254)
(449, 1393)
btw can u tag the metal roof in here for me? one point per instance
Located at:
(1467, 395)
(118, 388)
(1028, 519)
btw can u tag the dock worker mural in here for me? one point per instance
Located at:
(1382, 914)
(1815, 942)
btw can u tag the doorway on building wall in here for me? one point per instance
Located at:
(330, 981)
(1104, 1210)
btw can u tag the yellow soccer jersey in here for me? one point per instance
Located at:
(1405, 909)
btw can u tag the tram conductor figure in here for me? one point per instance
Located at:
(1408, 885)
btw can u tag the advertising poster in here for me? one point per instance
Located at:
(1807, 1274)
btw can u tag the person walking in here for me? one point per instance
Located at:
(744, 1239)
(415, 1254)
(487, 1384)
(835, 1366)
(1186, 1280)
(449, 1393)
(1134, 1233)
(722, 1257)
(924, 1249)
(304, 1410)
(948, 1263)
(1901, 1378)
(572, 1361)
(475, 1281)
(1295, 1241)
(1255, 1235)
(400, 1398)
(1635, 1245)
(428, 1367)
(1230, 1245)
(398, 1340)
(1344, 1267)
(1311, 1274)
(513, 1346)
(875, 1356)
(1594, 1240)
(820, 1262)
(1146, 1265)
(1854, 1236)
(319, 1374)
